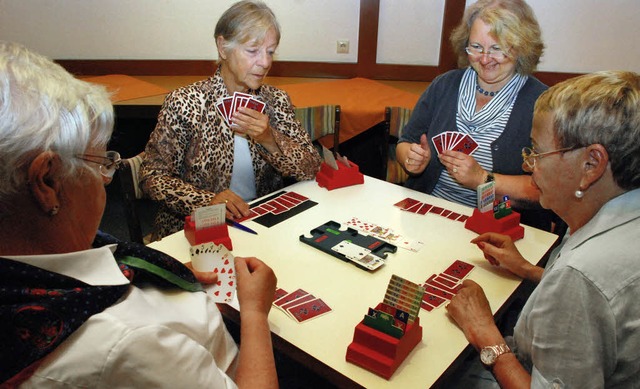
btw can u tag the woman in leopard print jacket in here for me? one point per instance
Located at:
(194, 158)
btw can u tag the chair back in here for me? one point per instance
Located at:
(395, 118)
(320, 121)
(129, 175)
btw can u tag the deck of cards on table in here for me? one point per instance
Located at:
(209, 257)
(300, 304)
(230, 104)
(453, 140)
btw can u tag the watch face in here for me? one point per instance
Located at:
(488, 356)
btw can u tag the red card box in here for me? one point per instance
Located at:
(331, 178)
(482, 222)
(381, 353)
(216, 234)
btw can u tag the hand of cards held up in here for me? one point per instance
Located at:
(230, 104)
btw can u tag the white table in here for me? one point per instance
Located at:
(350, 291)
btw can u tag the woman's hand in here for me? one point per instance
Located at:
(256, 285)
(236, 206)
(203, 277)
(470, 309)
(500, 251)
(463, 168)
(416, 155)
(255, 125)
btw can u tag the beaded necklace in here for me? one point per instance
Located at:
(486, 93)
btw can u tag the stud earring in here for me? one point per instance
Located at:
(579, 194)
(54, 210)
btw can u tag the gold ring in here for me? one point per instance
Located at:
(226, 201)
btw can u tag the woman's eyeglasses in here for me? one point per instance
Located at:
(107, 165)
(529, 155)
(494, 52)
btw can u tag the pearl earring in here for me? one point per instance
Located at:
(54, 210)
(579, 194)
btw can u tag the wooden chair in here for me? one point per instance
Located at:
(320, 121)
(129, 172)
(395, 118)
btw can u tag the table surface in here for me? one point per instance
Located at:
(350, 291)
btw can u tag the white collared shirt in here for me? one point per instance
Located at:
(151, 338)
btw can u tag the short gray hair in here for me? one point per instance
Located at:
(246, 21)
(44, 108)
(600, 108)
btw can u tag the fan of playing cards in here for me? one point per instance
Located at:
(230, 104)
(453, 140)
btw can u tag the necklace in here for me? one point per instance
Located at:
(486, 93)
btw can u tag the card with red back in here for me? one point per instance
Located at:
(446, 281)
(299, 300)
(436, 210)
(449, 289)
(279, 293)
(227, 104)
(239, 100)
(432, 299)
(438, 141)
(256, 105)
(406, 203)
(437, 292)
(466, 145)
(290, 297)
(309, 310)
(296, 196)
(459, 269)
(426, 306)
(424, 209)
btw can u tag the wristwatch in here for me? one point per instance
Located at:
(489, 177)
(489, 354)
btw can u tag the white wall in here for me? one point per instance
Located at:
(581, 35)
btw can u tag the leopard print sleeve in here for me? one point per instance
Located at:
(298, 157)
(162, 173)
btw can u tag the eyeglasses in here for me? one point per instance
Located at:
(529, 155)
(494, 52)
(109, 164)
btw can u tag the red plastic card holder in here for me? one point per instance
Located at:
(381, 353)
(482, 222)
(331, 178)
(216, 234)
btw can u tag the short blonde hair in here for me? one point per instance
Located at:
(246, 21)
(514, 25)
(599, 108)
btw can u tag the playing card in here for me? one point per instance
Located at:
(424, 208)
(290, 297)
(438, 143)
(227, 104)
(406, 203)
(459, 269)
(432, 299)
(432, 282)
(239, 100)
(294, 302)
(309, 310)
(256, 105)
(279, 293)
(437, 292)
(218, 260)
(466, 145)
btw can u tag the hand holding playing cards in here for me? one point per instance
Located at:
(463, 168)
(205, 278)
(256, 285)
(255, 125)
(417, 156)
(499, 250)
(470, 309)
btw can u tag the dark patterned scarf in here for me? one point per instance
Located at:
(39, 309)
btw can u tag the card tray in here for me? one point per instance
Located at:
(329, 235)
(216, 234)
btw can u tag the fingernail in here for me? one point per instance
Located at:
(481, 245)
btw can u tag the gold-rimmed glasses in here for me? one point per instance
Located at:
(529, 155)
(108, 163)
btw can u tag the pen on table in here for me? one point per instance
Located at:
(239, 226)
